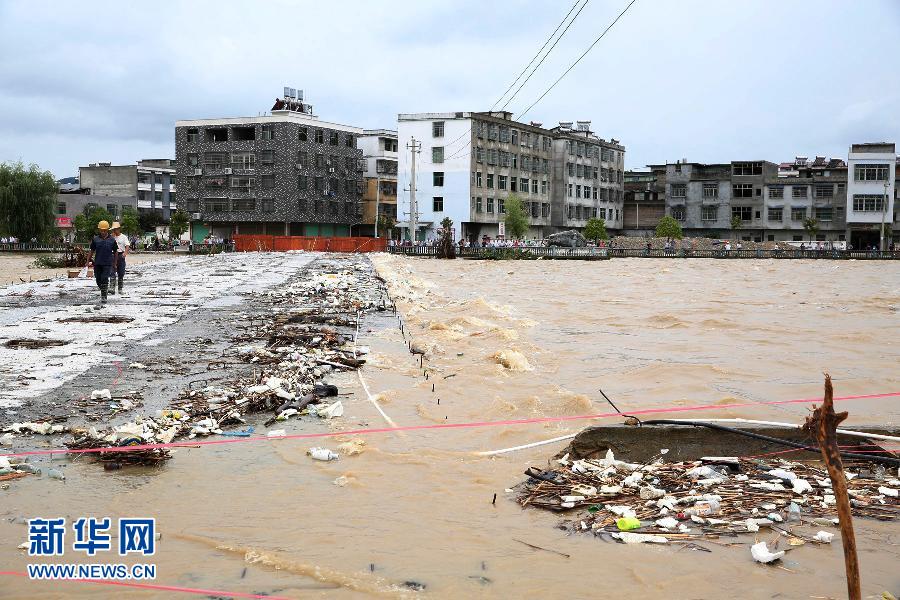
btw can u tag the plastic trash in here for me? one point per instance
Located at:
(892, 493)
(276, 433)
(782, 474)
(703, 508)
(628, 523)
(54, 474)
(640, 538)
(761, 553)
(793, 512)
(323, 454)
(103, 394)
(584, 490)
(331, 411)
(824, 536)
(651, 493)
(667, 523)
(801, 486)
(775, 517)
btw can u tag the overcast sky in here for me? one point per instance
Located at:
(710, 80)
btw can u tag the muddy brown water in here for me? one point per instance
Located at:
(508, 340)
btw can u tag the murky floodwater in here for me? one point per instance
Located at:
(509, 340)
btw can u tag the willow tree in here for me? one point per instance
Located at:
(27, 202)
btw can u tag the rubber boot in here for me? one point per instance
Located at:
(121, 283)
(112, 285)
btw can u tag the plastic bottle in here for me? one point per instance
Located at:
(703, 509)
(322, 454)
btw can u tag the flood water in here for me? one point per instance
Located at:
(508, 340)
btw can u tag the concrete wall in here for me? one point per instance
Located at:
(109, 181)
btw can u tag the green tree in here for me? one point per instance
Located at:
(668, 227)
(178, 224)
(811, 226)
(446, 247)
(735, 224)
(595, 229)
(27, 202)
(386, 224)
(516, 218)
(131, 225)
(149, 219)
(86, 223)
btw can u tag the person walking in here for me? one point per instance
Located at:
(104, 249)
(122, 249)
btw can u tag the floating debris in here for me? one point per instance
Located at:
(97, 319)
(32, 344)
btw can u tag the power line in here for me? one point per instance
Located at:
(578, 60)
(518, 89)
(536, 55)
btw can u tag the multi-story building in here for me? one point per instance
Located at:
(379, 147)
(818, 200)
(588, 177)
(645, 201)
(871, 192)
(73, 201)
(151, 182)
(469, 163)
(285, 173)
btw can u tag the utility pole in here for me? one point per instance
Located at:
(413, 207)
(883, 211)
(377, 198)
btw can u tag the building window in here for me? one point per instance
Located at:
(193, 160)
(60, 208)
(570, 167)
(501, 182)
(437, 154)
(679, 190)
(478, 179)
(193, 205)
(501, 206)
(798, 213)
(709, 213)
(534, 186)
(776, 191)
(243, 160)
(479, 154)
(193, 135)
(824, 191)
(242, 184)
(490, 181)
(267, 182)
(742, 190)
(543, 188)
(602, 212)
(545, 209)
(478, 206)
(320, 184)
(350, 141)
(267, 157)
(437, 129)
(490, 205)
(824, 213)
(798, 191)
(267, 205)
(578, 191)
(302, 183)
(156, 195)
(268, 132)
(710, 190)
(112, 209)
(437, 204)
(868, 202)
(437, 179)
(303, 134)
(870, 172)
(744, 213)
(333, 138)
(678, 213)
(215, 205)
(514, 136)
(320, 136)
(746, 168)
(569, 188)
(776, 214)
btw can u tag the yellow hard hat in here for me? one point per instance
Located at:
(115, 225)
(103, 225)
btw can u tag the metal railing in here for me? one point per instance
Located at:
(585, 253)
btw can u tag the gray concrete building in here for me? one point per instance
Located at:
(645, 201)
(285, 173)
(151, 182)
(588, 177)
(71, 203)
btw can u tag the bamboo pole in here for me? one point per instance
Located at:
(823, 423)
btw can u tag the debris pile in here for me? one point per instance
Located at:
(698, 243)
(308, 333)
(658, 502)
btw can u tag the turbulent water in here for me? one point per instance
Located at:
(509, 340)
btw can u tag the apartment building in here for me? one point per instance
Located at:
(645, 201)
(588, 177)
(151, 182)
(469, 163)
(871, 191)
(285, 173)
(379, 148)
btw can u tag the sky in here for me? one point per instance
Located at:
(706, 80)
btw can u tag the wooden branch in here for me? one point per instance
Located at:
(823, 423)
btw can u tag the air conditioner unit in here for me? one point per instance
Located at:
(195, 216)
(299, 165)
(228, 171)
(198, 171)
(331, 169)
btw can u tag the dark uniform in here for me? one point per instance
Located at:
(104, 256)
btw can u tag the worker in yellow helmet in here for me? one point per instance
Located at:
(104, 248)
